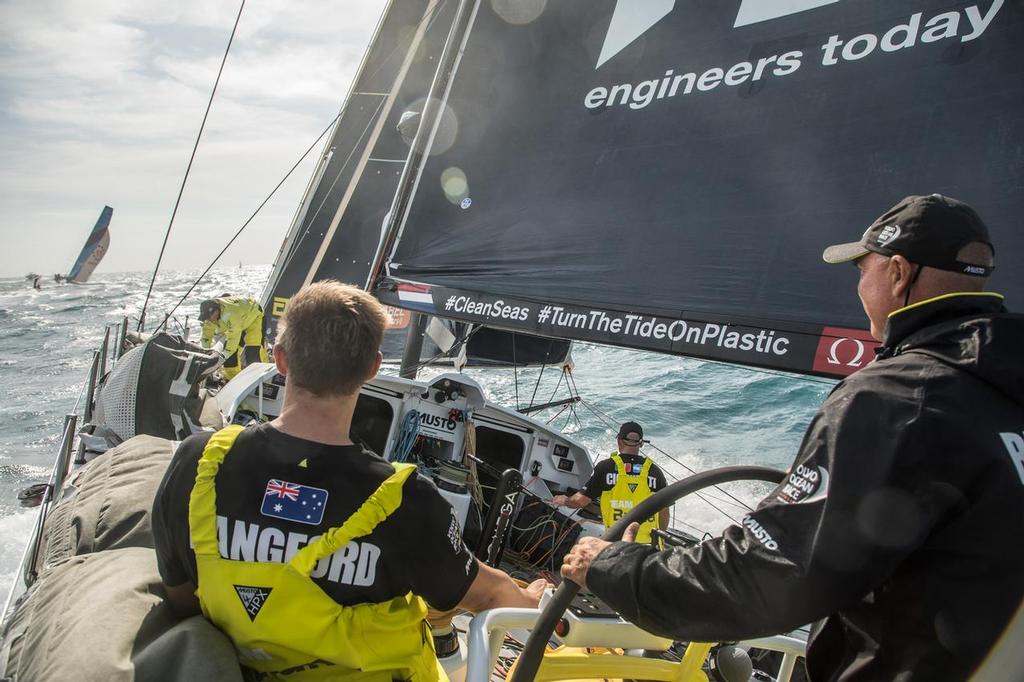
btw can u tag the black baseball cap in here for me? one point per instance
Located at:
(206, 309)
(631, 427)
(926, 230)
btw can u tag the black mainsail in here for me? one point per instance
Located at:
(664, 175)
(338, 226)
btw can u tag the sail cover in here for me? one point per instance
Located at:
(95, 248)
(665, 174)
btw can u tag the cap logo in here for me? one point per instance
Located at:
(888, 234)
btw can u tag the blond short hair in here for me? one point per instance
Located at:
(330, 334)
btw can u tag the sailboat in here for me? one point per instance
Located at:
(656, 175)
(93, 250)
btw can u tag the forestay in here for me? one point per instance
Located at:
(665, 174)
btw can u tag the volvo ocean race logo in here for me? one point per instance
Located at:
(632, 18)
(889, 234)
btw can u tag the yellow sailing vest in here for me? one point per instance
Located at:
(629, 490)
(282, 623)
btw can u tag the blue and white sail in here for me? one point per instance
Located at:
(95, 248)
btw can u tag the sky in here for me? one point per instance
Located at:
(101, 101)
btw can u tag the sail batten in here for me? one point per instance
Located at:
(693, 175)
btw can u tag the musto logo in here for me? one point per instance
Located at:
(632, 18)
(844, 351)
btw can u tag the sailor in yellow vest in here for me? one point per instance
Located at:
(240, 321)
(315, 556)
(622, 481)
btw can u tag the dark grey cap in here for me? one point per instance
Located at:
(926, 230)
(629, 428)
(207, 308)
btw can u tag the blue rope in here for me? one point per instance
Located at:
(406, 436)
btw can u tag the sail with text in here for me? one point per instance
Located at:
(338, 226)
(95, 248)
(665, 175)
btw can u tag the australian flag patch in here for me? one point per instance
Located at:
(294, 502)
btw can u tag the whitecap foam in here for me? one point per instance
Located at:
(15, 531)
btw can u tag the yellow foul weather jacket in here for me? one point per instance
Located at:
(282, 623)
(238, 316)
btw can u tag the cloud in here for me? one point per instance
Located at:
(100, 103)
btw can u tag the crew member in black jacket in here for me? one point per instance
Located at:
(900, 527)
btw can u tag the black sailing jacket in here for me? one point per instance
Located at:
(901, 523)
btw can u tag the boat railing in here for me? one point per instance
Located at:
(57, 478)
(64, 462)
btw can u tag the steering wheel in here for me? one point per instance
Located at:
(529, 661)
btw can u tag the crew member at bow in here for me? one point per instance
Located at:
(240, 321)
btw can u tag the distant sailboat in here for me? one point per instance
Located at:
(95, 248)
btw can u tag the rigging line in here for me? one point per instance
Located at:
(571, 379)
(426, 363)
(558, 385)
(557, 414)
(188, 169)
(609, 421)
(724, 492)
(536, 385)
(515, 370)
(245, 225)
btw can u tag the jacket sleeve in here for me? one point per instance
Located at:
(855, 502)
(232, 338)
(232, 317)
(597, 483)
(209, 329)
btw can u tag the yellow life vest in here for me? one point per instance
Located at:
(282, 623)
(629, 490)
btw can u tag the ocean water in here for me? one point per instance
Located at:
(696, 414)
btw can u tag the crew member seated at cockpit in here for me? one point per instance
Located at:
(240, 321)
(314, 555)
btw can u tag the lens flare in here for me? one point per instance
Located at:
(455, 185)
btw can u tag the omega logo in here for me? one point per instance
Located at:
(833, 358)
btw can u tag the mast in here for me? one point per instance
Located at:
(430, 119)
(346, 200)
